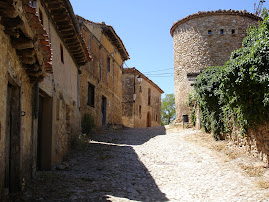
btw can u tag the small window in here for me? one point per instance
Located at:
(156, 119)
(140, 112)
(221, 31)
(91, 92)
(210, 32)
(140, 89)
(108, 64)
(233, 31)
(41, 16)
(149, 96)
(62, 53)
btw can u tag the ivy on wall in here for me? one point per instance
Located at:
(236, 95)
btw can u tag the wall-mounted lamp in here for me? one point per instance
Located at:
(134, 96)
(139, 79)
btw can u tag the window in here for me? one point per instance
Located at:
(140, 89)
(209, 32)
(233, 31)
(149, 96)
(91, 89)
(62, 53)
(108, 64)
(140, 112)
(156, 119)
(221, 31)
(41, 16)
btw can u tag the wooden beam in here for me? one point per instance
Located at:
(12, 32)
(12, 22)
(28, 60)
(21, 44)
(26, 52)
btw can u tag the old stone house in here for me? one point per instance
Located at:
(141, 100)
(101, 79)
(39, 97)
(201, 40)
(25, 57)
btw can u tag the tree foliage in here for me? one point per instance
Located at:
(168, 109)
(236, 95)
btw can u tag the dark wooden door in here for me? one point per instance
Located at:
(12, 149)
(148, 120)
(103, 110)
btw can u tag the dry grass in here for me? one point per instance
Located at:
(251, 166)
(253, 171)
(263, 183)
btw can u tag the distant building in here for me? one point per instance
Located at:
(101, 79)
(201, 40)
(141, 100)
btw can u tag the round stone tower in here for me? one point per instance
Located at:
(201, 40)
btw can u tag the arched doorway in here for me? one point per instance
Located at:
(148, 120)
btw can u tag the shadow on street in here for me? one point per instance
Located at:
(108, 168)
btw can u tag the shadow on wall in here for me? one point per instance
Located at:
(109, 168)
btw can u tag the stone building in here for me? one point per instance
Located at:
(141, 100)
(39, 96)
(25, 57)
(101, 79)
(201, 40)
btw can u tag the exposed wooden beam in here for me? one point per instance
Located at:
(21, 44)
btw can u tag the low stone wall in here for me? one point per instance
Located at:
(256, 142)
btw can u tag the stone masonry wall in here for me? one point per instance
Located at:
(256, 141)
(106, 83)
(207, 39)
(12, 72)
(132, 116)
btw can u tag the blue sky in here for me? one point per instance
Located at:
(144, 27)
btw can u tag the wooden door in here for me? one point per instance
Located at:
(13, 135)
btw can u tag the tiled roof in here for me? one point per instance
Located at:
(137, 72)
(109, 31)
(212, 13)
(63, 16)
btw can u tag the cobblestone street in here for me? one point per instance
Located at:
(149, 164)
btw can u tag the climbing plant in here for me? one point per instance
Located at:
(236, 95)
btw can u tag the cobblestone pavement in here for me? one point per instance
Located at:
(147, 164)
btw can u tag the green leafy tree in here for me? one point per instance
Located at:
(168, 109)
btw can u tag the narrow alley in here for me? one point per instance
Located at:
(146, 164)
